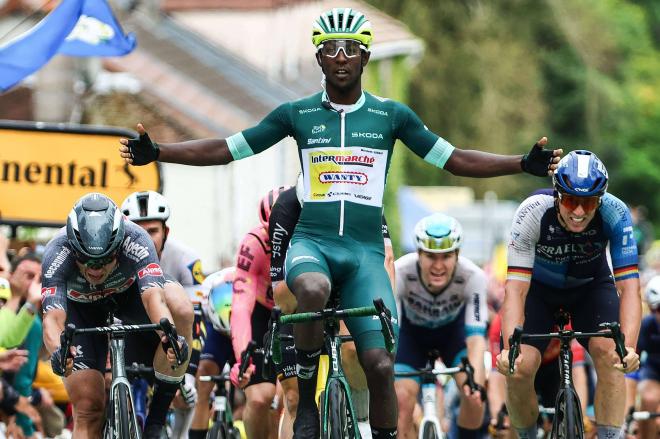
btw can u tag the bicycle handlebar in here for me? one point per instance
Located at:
(613, 331)
(378, 309)
(215, 378)
(66, 338)
(469, 371)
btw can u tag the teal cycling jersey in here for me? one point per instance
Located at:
(345, 153)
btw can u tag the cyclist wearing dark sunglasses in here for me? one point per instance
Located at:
(99, 257)
(557, 259)
(345, 137)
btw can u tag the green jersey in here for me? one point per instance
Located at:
(345, 154)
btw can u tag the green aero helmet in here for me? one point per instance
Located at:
(342, 23)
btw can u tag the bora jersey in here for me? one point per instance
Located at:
(345, 154)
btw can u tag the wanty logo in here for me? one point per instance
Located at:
(150, 270)
(343, 177)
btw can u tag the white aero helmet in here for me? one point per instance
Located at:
(217, 288)
(652, 292)
(146, 205)
(438, 233)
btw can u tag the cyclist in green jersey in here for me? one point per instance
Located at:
(345, 139)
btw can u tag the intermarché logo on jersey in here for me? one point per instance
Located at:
(354, 159)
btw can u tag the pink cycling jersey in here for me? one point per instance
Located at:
(251, 285)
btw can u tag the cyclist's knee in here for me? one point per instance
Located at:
(406, 394)
(649, 397)
(602, 352)
(179, 304)
(291, 400)
(89, 410)
(312, 291)
(378, 365)
(259, 397)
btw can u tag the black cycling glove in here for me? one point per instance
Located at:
(143, 150)
(184, 347)
(56, 362)
(9, 399)
(537, 161)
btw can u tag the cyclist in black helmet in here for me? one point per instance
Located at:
(102, 255)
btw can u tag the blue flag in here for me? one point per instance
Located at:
(28, 52)
(97, 33)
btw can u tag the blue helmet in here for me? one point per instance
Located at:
(581, 173)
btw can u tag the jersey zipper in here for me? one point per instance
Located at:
(342, 117)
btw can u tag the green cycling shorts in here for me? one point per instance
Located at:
(357, 274)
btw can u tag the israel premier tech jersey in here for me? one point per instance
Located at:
(541, 249)
(345, 154)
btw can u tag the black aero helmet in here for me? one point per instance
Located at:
(95, 227)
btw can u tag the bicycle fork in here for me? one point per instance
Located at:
(429, 408)
(120, 379)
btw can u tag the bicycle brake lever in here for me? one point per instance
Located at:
(245, 358)
(66, 338)
(173, 340)
(619, 339)
(514, 348)
(385, 316)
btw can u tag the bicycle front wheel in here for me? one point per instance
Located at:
(124, 426)
(337, 425)
(429, 431)
(217, 432)
(567, 423)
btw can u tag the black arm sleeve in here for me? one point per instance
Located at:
(283, 219)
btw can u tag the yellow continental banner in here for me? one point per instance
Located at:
(45, 168)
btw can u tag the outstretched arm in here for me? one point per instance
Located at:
(473, 163)
(202, 152)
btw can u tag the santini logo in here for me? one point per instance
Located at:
(317, 141)
(366, 135)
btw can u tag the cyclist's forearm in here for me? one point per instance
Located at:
(476, 346)
(473, 163)
(202, 152)
(53, 326)
(513, 308)
(630, 311)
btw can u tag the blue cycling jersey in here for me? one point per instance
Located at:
(541, 249)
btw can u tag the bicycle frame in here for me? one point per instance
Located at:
(333, 341)
(428, 388)
(566, 393)
(117, 333)
(223, 415)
